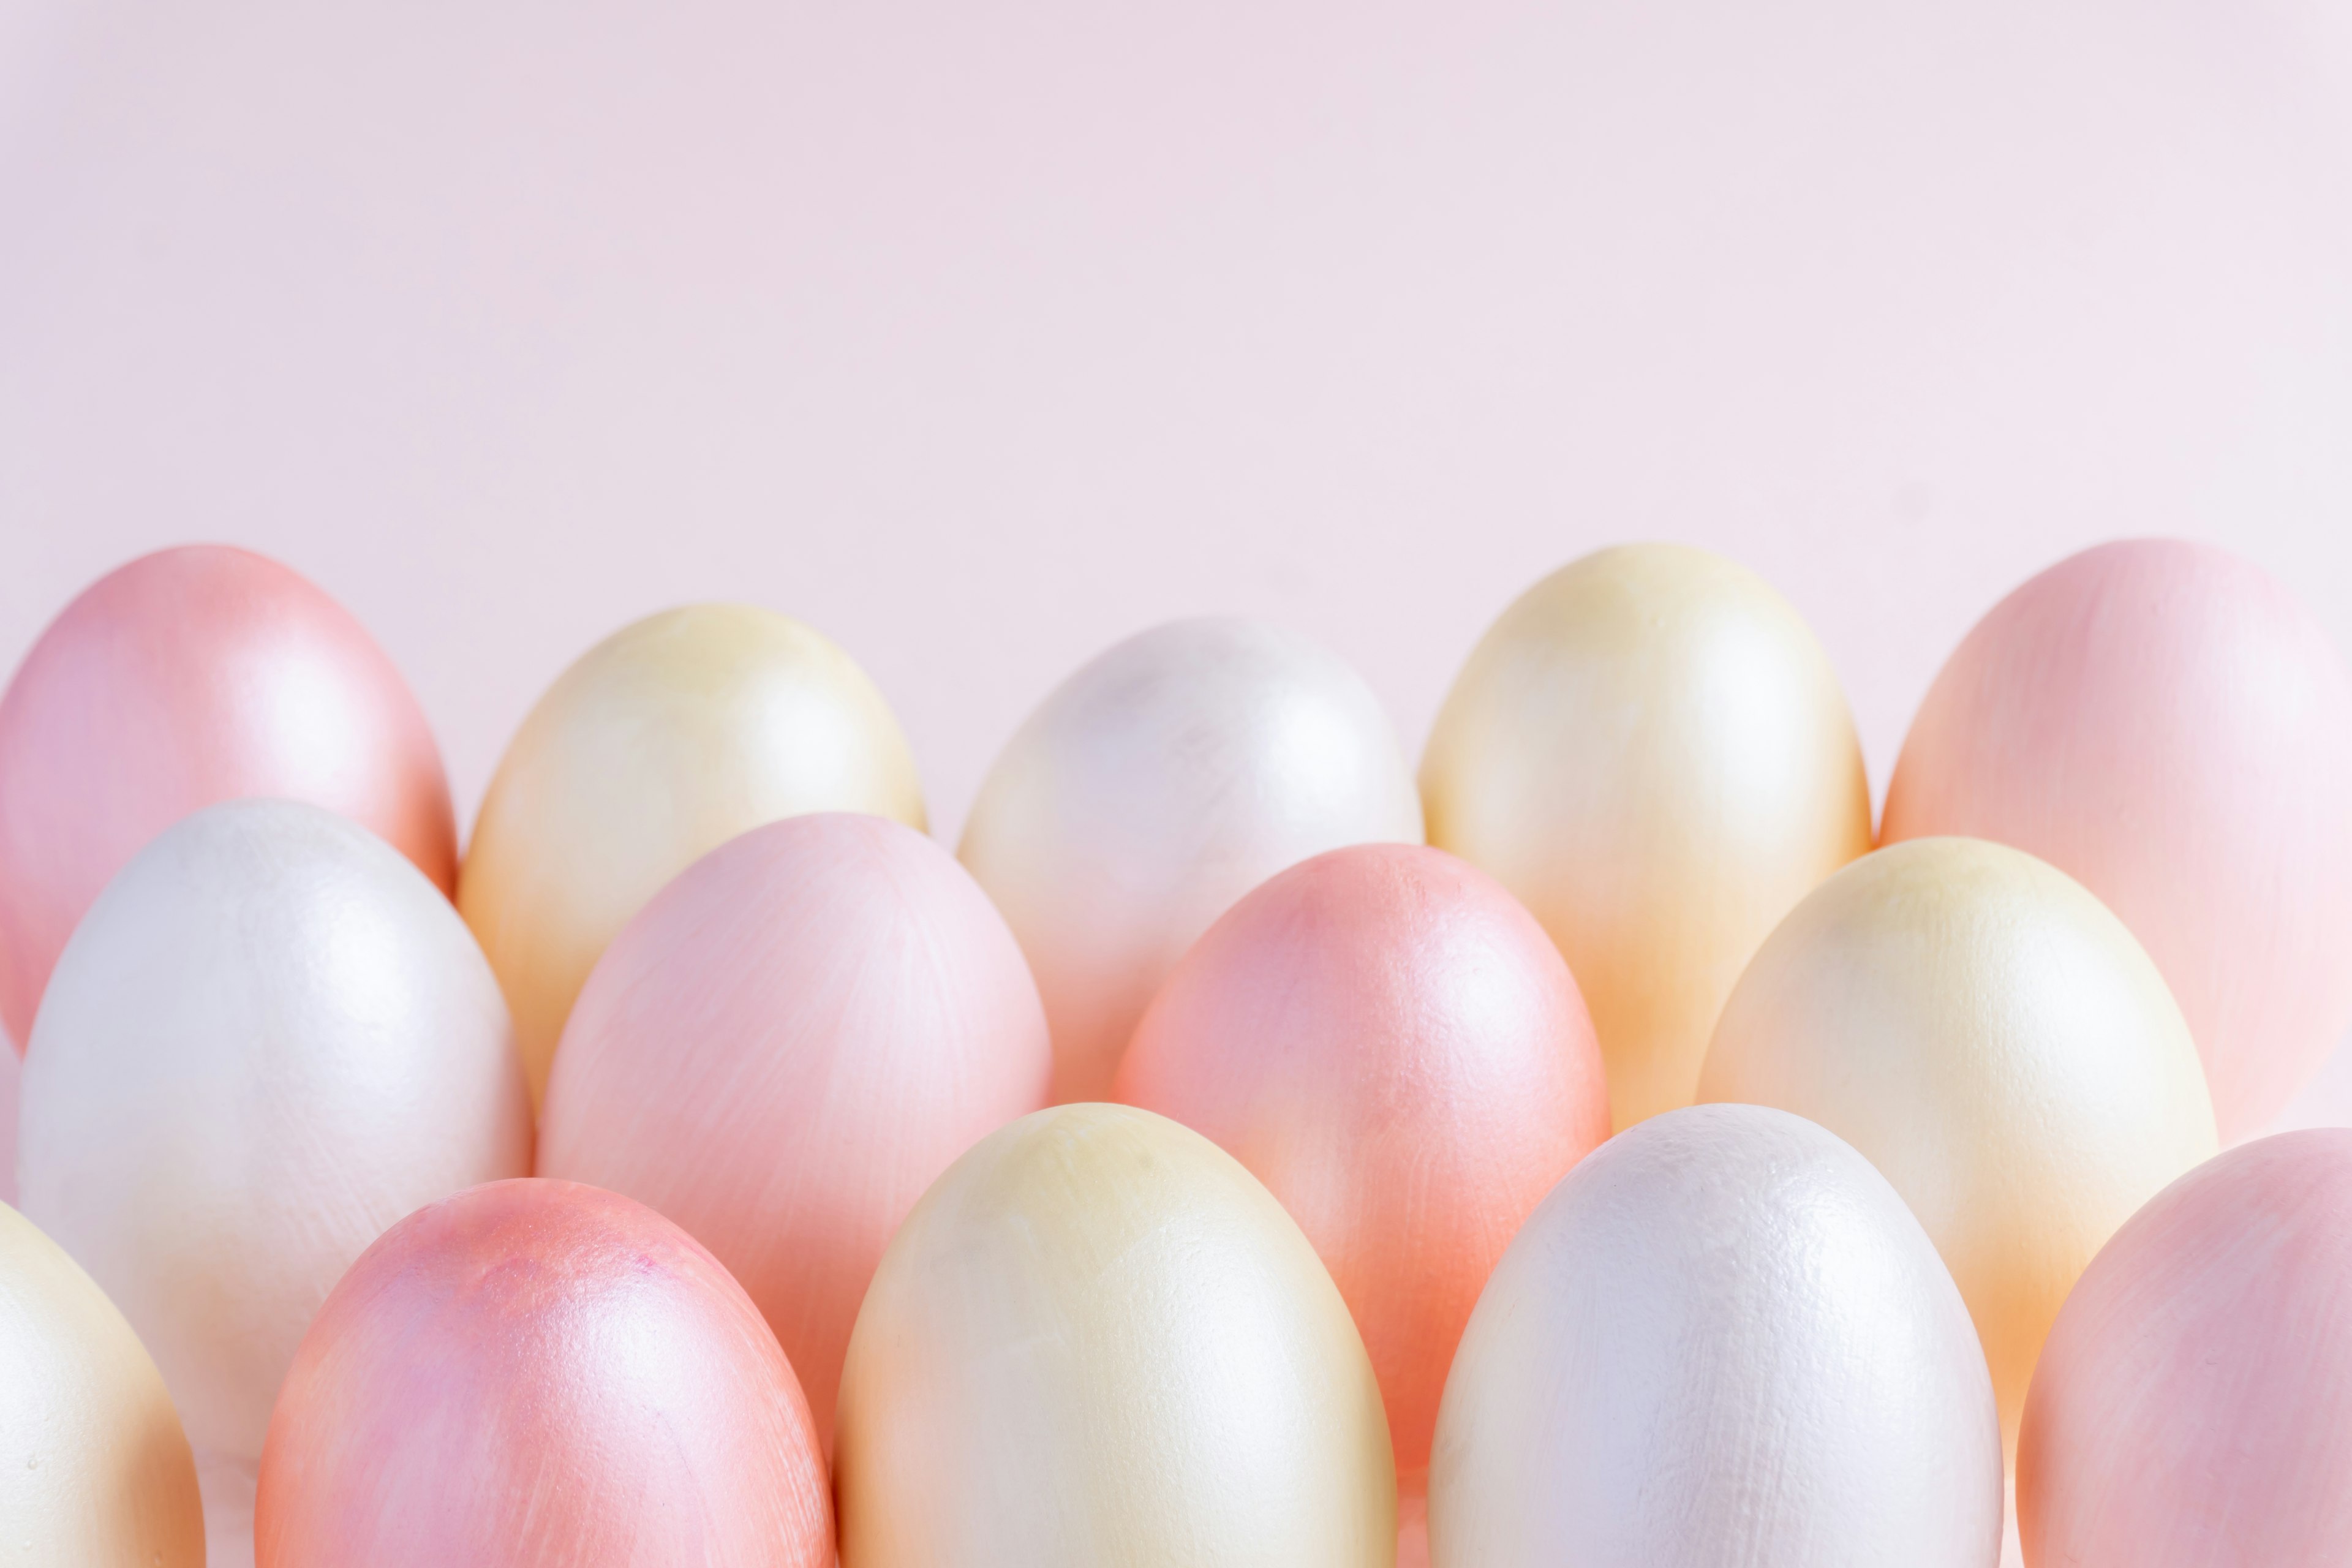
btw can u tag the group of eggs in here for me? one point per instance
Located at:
(1211, 1162)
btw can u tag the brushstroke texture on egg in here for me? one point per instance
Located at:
(661, 742)
(1721, 1340)
(187, 678)
(270, 1039)
(1388, 1042)
(786, 1048)
(540, 1375)
(1165, 779)
(1099, 1339)
(2168, 725)
(1652, 752)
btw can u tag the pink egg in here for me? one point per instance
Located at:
(1390, 1042)
(2170, 727)
(540, 1375)
(786, 1047)
(187, 678)
(2193, 1406)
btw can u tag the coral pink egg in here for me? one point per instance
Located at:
(187, 678)
(538, 1375)
(1390, 1042)
(2170, 727)
(786, 1047)
(2193, 1406)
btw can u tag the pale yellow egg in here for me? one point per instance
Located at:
(662, 741)
(1651, 749)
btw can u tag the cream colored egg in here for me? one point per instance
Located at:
(1652, 750)
(1721, 1340)
(1099, 1339)
(662, 741)
(1169, 777)
(95, 1471)
(1990, 1037)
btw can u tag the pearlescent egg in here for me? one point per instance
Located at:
(187, 678)
(2170, 726)
(1388, 1040)
(2193, 1407)
(1995, 1042)
(785, 1048)
(1169, 777)
(540, 1375)
(268, 1039)
(1722, 1339)
(1099, 1339)
(662, 741)
(95, 1471)
(1650, 750)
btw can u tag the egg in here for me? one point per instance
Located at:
(540, 1375)
(1722, 1339)
(1388, 1040)
(785, 1048)
(95, 1471)
(268, 1039)
(187, 678)
(1096, 1340)
(1165, 779)
(1652, 752)
(2194, 1405)
(662, 741)
(1994, 1041)
(2170, 726)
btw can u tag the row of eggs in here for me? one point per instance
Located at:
(795, 1032)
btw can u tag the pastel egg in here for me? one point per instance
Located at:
(268, 1039)
(187, 678)
(2170, 726)
(785, 1048)
(94, 1469)
(1165, 779)
(1995, 1042)
(1098, 1338)
(2194, 1405)
(1388, 1042)
(539, 1374)
(1722, 1339)
(662, 741)
(1652, 752)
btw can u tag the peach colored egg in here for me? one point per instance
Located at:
(540, 1375)
(2193, 1408)
(189, 676)
(660, 743)
(1099, 1339)
(1388, 1040)
(1650, 749)
(1722, 1339)
(268, 1039)
(95, 1471)
(785, 1048)
(2168, 725)
(1169, 777)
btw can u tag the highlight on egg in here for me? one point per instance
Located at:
(270, 1039)
(785, 1048)
(1169, 777)
(1721, 1339)
(98, 1471)
(661, 742)
(1652, 752)
(2170, 726)
(187, 678)
(540, 1375)
(1098, 1339)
